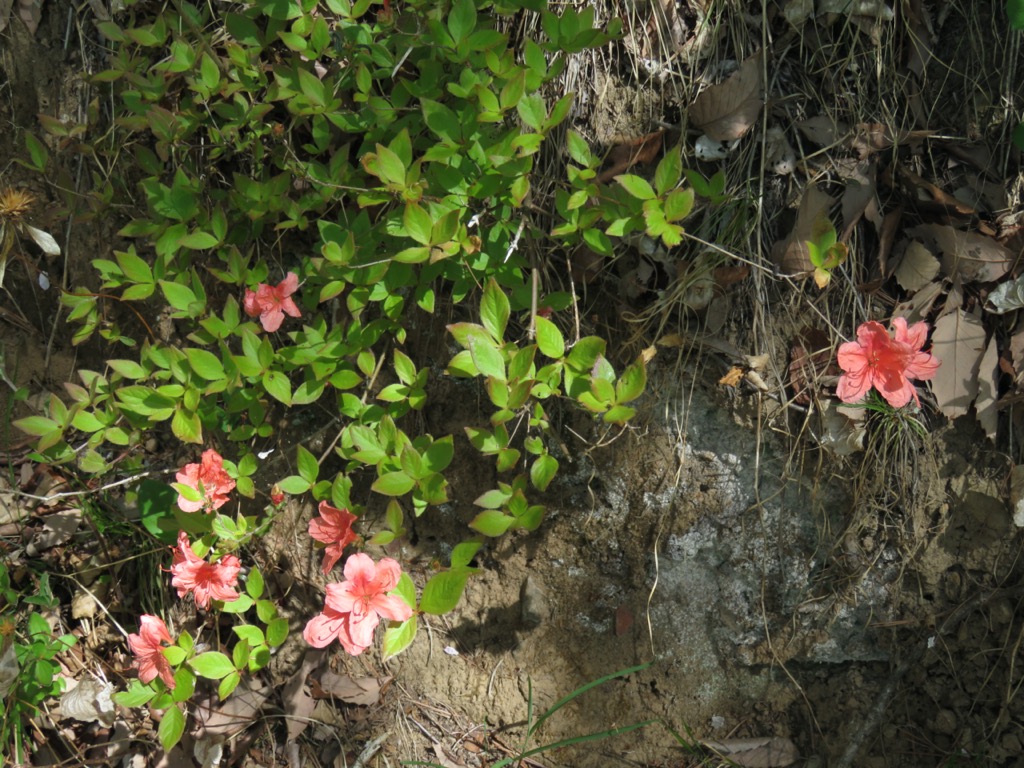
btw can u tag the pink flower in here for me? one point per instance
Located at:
(271, 303)
(353, 608)
(149, 654)
(204, 580)
(209, 478)
(887, 364)
(333, 528)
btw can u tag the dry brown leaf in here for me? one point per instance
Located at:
(859, 198)
(886, 236)
(224, 719)
(295, 698)
(988, 390)
(1017, 346)
(360, 691)
(974, 257)
(840, 429)
(823, 130)
(768, 752)
(630, 152)
(958, 343)
(934, 199)
(30, 12)
(791, 254)
(918, 306)
(810, 359)
(869, 138)
(917, 267)
(1017, 494)
(732, 377)
(726, 111)
(955, 297)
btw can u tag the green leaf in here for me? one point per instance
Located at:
(254, 585)
(441, 594)
(172, 726)
(294, 485)
(278, 386)
(678, 204)
(228, 684)
(252, 635)
(463, 553)
(543, 471)
(668, 172)
(549, 338)
(212, 665)
(205, 364)
(532, 111)
(462, 19)
(390, 166)
(393, 484)
(187, 426)
(156, 509)
(636, 186)
(178, 296)
(439, 455)
(398, 637)
(486, 356)
(492, 522)
(198, 241)
(1015, 11)
(1018, 132)
(277, 632)
(442, 121)
(619, 414)
(632, 383)
(494, 310)
(136, 695)
(418, 223)
(309, 468)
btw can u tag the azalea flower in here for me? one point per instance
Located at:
(271, 303)
(209, 478)
(149, 654)
(333, 528)
(206, 581)
(886, 363)
(354, 607)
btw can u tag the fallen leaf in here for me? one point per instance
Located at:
(768, 752)
(958, 342)
(224, 719)
(859, 198)
(933, 198)
(840, 430)
(1007, 297)
(810, 359)
(988, 390)
(628, 153)
(9, 669)
(732, 378)
(1017, 494)
(90, 701)
(917, 267)
(791, 254)
(823, 130)
(360, 691)
(30, 12)
(57, 529)
(869, 138)
(974, 257)
(726, 111)
(886, 236)
(298, 704)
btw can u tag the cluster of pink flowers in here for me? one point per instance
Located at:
(149, 653)
(333, 528)
(209, 479)
(887, 363)
(206, 581)
(352, 610)
(270, 303)
(354, 607)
